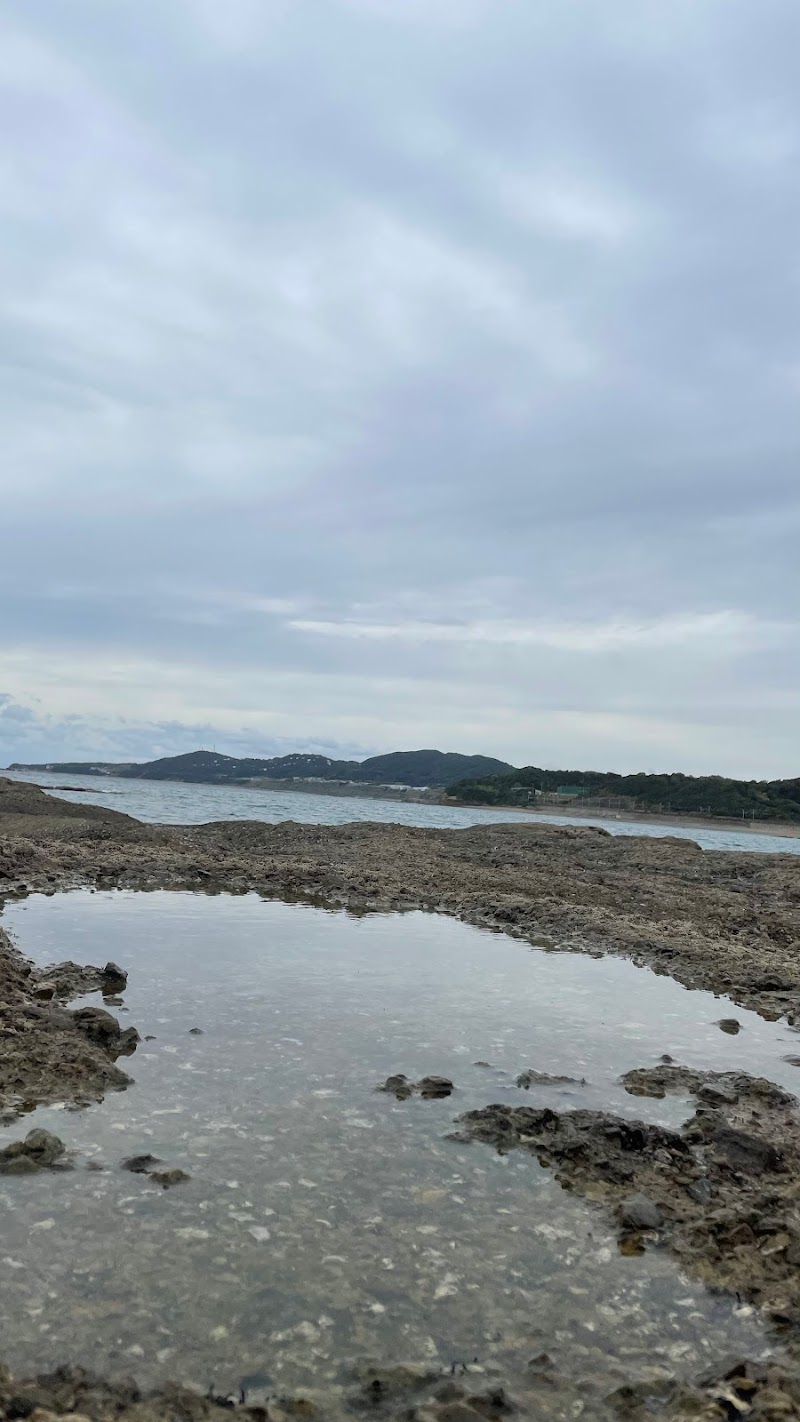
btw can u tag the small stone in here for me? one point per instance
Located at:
(700, 1191)
(435, 1087)
(398, 1085)
(168, 1178)
(729, 1025)
(195, 1031)
(639, 1212)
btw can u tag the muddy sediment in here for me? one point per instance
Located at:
(723, 1193)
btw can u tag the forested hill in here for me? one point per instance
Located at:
(684, 794)
(422, 767)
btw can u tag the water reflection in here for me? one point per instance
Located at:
(325, 1219)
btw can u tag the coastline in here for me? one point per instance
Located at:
(783, 829)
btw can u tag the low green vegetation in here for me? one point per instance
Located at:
(666, 794)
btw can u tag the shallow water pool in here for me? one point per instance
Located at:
(324, 1220)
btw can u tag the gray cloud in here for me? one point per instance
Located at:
(401, 372)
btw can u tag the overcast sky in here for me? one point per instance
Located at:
(393, 373)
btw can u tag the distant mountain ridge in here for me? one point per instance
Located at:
(422, 767)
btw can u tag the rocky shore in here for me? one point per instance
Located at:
(722, 1193)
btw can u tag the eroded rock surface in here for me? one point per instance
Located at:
(430, 1088)
(723, 1192)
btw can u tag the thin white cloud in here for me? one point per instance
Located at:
(724, 631)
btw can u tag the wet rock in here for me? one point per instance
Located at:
(729, 1025)
(105, 1032)
(715, 1088)
(639, 1212)
(140, 1164)
(397, 1085)
(430, 1087)
(43, 1147)
(434, 1087)
(115, 977)
(527, 1079)
(726, 1189)
(195, 1032)
(167, 1178)
(793, 1061)
(40, 1150)
(68, 979)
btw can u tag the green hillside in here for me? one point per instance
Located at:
(684, 794)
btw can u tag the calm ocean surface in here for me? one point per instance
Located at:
(166, 802)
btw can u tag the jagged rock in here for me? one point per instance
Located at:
(104, 1030)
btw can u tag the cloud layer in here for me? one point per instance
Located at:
(389, 373)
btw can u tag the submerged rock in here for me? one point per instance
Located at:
(146, 1165)
(140, 1164)
(429, 1087)
(730, 1025)
(168, 1178)
(527, 1079)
